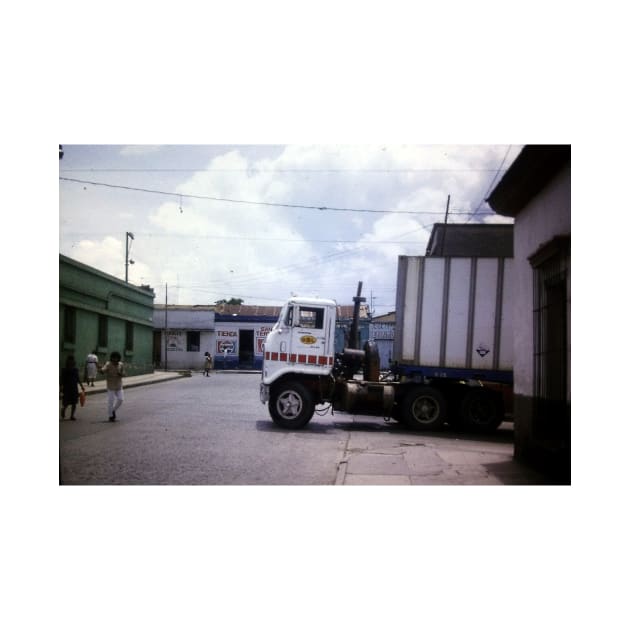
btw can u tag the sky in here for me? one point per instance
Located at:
(264, 222)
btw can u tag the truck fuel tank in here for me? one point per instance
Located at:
(366, 397)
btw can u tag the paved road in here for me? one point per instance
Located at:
(215, 431)
(194, 431)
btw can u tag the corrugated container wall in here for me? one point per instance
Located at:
(454, 312)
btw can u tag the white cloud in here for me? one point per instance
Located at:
(207, 249)
(139, 149)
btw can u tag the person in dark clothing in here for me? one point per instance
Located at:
(69, 384)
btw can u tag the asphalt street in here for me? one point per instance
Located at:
(215, 431)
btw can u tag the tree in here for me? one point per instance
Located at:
(231, 302)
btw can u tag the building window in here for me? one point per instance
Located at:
(69, 325)
(551, 267)
(193, 341)
(102, 331)
(129, 336)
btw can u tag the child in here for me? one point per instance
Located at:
(208, 364)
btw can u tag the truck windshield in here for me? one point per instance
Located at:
(285, 317)
(281, 317)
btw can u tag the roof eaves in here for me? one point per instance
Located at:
(535, 165)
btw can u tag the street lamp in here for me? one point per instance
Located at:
(128, 262)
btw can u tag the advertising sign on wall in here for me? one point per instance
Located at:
(226, 347)
(175, 340)
(226, 341)
(261, 335)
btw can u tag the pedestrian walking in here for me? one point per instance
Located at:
(114, 371)
(91, 368)
(208, 364)
(69, 384)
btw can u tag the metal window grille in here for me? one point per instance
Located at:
(102, 331)
(129, 336)
(193, 341)
(551, 277)
(70, 325)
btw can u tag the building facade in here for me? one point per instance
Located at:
(233, 334)
(181, 336)
(99, 311)
(536, 191)
(382, 331)
(240, 333)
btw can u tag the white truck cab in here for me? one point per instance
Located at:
(301, 342)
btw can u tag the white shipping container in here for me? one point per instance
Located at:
(454, 312)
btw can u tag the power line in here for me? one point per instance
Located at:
(483, 199)
(277, 170)
(260, 276)
(241, 238)
(253, 203)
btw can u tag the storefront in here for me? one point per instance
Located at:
(182, 335)
(240, 332)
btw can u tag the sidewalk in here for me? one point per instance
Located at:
(392, 455)
(158, 376)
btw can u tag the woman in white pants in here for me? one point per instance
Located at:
(114, 370)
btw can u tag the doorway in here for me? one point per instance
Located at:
(246, 349)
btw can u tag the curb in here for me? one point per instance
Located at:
(128, 385)
(154, 381)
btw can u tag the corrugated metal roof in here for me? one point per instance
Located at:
(253, 310)
(247, 310)
(388, 318)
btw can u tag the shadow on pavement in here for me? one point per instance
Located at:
(503, 435)
(311, 427)
(513, 472)
(500, 436)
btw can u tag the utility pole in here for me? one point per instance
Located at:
(448, 201)
(166, 329)
(128, 262)
(355, 333)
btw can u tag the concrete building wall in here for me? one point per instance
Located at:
(547, 215)
(176, 353)
(182, 335)
(99, 311)
(542, 428)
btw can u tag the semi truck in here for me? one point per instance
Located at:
(452, 358)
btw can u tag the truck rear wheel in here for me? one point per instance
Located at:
(482, 410)
(424, 408)
(291, 405)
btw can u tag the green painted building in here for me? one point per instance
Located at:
(99, 311)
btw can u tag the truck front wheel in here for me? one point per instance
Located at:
(424, 408)
(291, 405)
